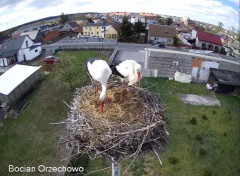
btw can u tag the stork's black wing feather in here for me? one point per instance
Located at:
(115, 71)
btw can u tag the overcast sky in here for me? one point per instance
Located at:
(17, 12)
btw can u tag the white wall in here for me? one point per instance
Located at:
(30, 54)
(205, 69)
(160, 39)
(194, 34)
(199, 44)
(29, 41)
(3, 62)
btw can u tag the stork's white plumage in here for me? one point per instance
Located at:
(128, 70)
(99, 71)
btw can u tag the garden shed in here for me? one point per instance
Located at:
(16, 82)
(228, 81)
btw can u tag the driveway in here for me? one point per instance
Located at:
(131, 51)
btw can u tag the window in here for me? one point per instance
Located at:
(97, 32)
(36, 50)
(26, 44)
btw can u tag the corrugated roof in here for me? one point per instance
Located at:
(14, 77)
(226, 77)
(13, 43)
(162, 31)
(8, 53)
(31, 34)
(73, 24)
(208, 37)
(12, 46)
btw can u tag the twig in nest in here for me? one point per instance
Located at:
(125, 130)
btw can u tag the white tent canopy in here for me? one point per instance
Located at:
(14, 77)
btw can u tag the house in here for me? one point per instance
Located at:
(49, 36)
(78, 30)
(180, 26)
(135, 17)
(224, 38)
(190, 24)
(16, 82)
(111, 21)
(71, 26)
(36, 36)
(99, 30)
(43, 28)
(161, 33)
(207, 40)
(236, 46)
(110, 32)
(18, 49)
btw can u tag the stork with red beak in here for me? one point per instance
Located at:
(129, 72)
(99, 71)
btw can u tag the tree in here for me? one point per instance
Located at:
(220, 24)
(138, 27)
(68, 70)
(219, 27)
(126, 28)
(64, 18)
(169, 21)
(175, 41)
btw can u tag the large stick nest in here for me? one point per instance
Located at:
(124, 130)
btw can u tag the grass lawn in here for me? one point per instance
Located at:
(30, 140)
(203, 141)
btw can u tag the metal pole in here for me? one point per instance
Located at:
(115, 168)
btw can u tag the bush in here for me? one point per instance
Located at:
(173, 160)
(193, 121)
(204, 117)
(207, 173)
(202, 152)
(198, 137)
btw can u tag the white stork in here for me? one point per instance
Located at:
(99, 71)
(129, 71)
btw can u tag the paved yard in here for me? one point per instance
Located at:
(138, 56)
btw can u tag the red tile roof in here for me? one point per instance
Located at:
(208, 37)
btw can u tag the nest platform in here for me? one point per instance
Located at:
(124, 129)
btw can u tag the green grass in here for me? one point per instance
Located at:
(30, 140)
(208, 145)
(217, 149)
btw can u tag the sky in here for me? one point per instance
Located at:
(17, 12)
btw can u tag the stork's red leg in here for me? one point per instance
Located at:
(101, 105)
